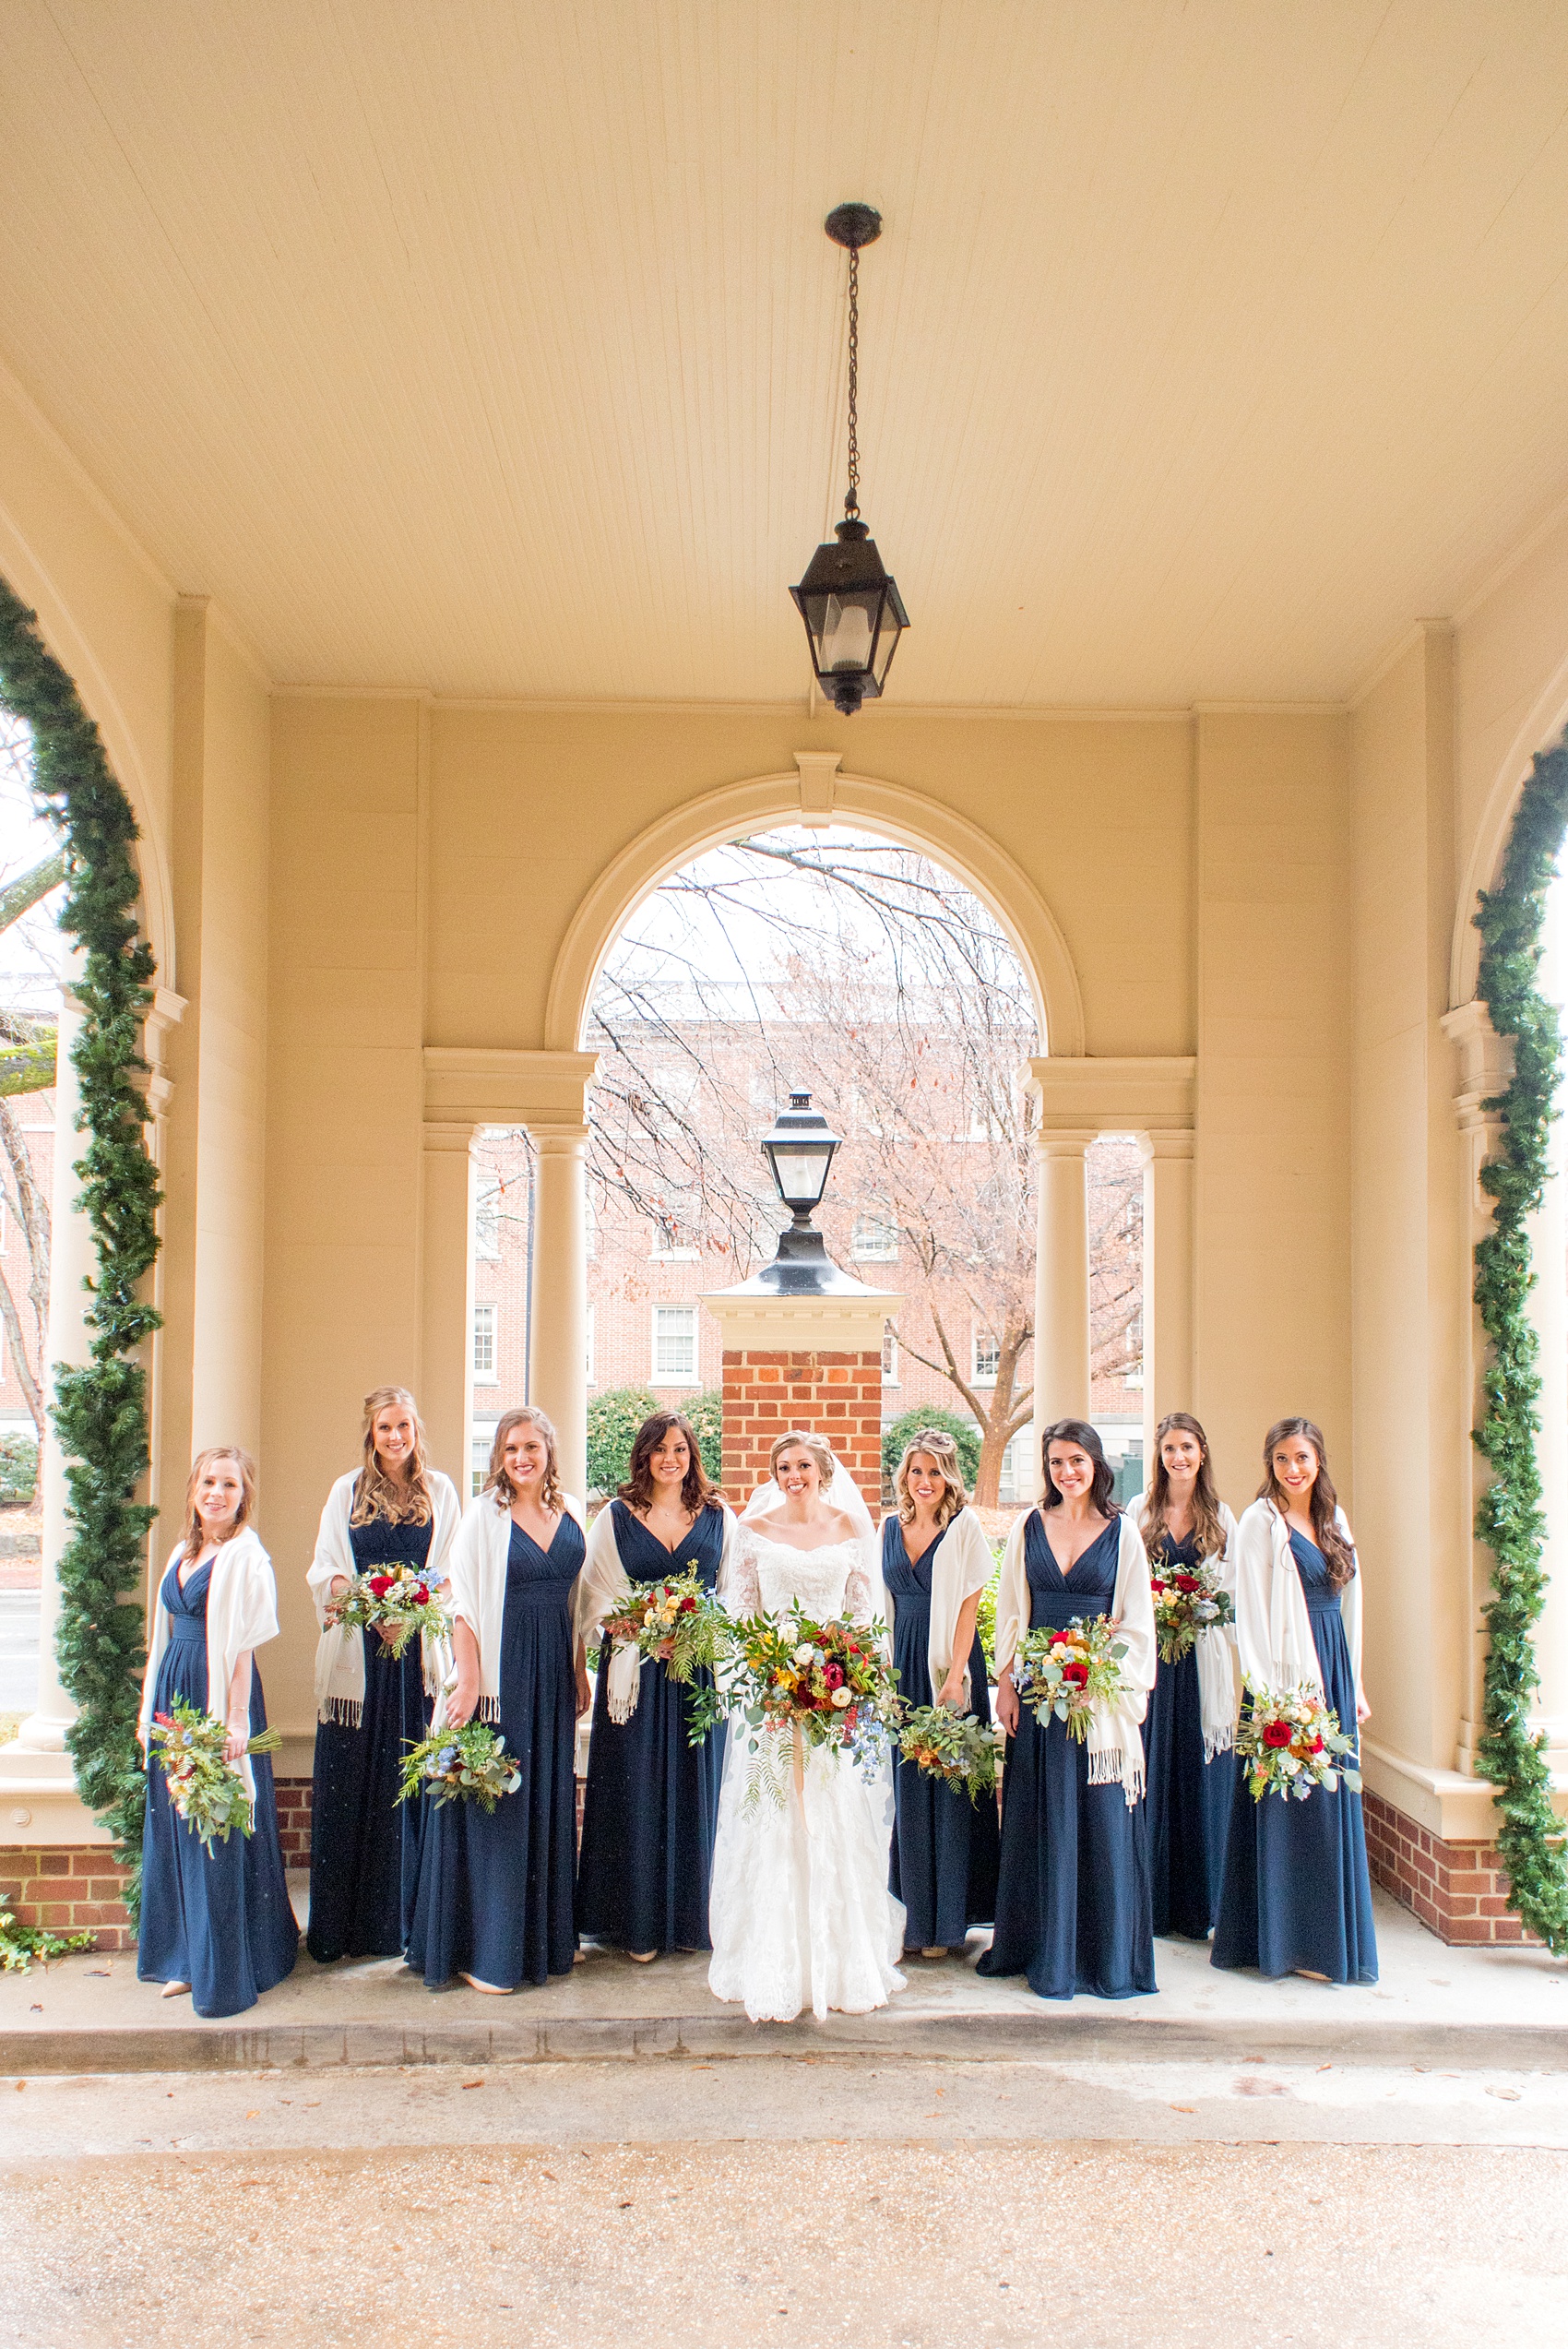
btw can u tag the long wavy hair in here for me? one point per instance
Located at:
(1322, 1502)
(1207, 1529)
(500, 1483)
(1079, 1432)
(398, 1500)
(939, 1445)
(697, 1492)
(193, 1538)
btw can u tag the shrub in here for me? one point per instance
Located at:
(19, 1470)
(903, 1431)
(707, 1415)
(612, 1423)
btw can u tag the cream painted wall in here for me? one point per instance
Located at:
(1272, 1244)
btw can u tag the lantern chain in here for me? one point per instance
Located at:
(852, 495)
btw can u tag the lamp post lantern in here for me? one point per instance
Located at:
(800, 1149)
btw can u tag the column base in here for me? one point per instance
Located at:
(1458, 1888)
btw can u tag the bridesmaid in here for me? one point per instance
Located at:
(217, 1922)
(935, 1563)
(1073, 1899)
(494, 1900)
(1191, 1724)
(1296, 1896)
(364, 1849)
(652, 1806)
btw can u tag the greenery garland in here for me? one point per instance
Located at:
(100, 1411)
(1510, 1519)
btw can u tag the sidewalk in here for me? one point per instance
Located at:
(1442, 2008)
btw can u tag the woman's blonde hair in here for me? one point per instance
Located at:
(1206, 1526)
(500, 1483)
(938, 1446)
(818, 1446)
(192, 1535)
(400, 1501)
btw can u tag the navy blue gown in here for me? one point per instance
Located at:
(944, 1847)
(1072, 1898)
(365, 1844)
(1296, 1893)
(1189, 1799)
(651, 1804)
(220, 1920)
(495, 1888)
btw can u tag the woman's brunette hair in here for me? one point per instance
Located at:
(400, 1500)
(697, 1492)
(818, 1446)
(1079, 1432)
(938, 1446)
(500, 1483)
(1206, 1527)
(1321, 1501)
(191, 1536)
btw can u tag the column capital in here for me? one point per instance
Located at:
(491, 1085)
(1486, 1066)
(1153, 1147)
(449, 1134)
(1114, 1094)
(556, 1138)
(1064, 1141)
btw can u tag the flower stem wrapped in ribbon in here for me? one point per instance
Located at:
(676, 1623)
(1187, 1600)
(395, 1599)
(1068, 1672)
(206, 1791)
(798, 1686)
(467, 1765)
(1290, 1741)
(954, 1747)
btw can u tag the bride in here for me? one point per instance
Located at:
(799, 1913)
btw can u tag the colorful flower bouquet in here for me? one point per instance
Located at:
(467, 1765)
(676, 1623)
(797, 1685)
(1290, 1741)
(952, 1747)
(1187, 1600)
(1068, 1672)
(206, 1791)
(395, 1599)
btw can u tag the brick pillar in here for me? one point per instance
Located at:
(802, 1362)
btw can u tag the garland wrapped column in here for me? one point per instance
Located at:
(100, 1411)
(1510, 1519)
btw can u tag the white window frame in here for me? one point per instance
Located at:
(981, 1375)
(889, 1359)
(875, 1239)
(487, 1313)
(673, 1378)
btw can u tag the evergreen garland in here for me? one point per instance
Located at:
(100, 1411)
(1510, 1519)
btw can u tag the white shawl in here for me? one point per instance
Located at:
(1115, 1745)
(602, 1589)
(1274, 1632)
(1213, 1646)
(961, 1564)
(242, 1613)
(477, 1572)
(339, 1651)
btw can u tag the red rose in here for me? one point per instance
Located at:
(1154, 1585)
(1278, 1732)
(688, 1605)
(1079, 1671)
(1316, 1746)
(380, 1584)
(833, 1675)
(1188, 1582)
(421, 1596)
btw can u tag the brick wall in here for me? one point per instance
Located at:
(294, 1821)
(1457, 1889)
(838, 1395)
(76, 1890)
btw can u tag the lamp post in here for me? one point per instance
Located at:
(800, 1149)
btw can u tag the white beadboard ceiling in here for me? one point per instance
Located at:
(493, 346)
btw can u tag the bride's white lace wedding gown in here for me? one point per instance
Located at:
(799, 1913)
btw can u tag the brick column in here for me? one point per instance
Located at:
(802, 1362)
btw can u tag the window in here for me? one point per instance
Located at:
(889, 1359)
(674, 1345)
(485, 1372)
(587, 1365)
(487, 1218)
(674, 1231)
(875, 1237)
(986, 1359)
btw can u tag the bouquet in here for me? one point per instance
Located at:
(952, 1747)
(395, 1598)
(1187, 1600)
(206, 1791)
(467, 1765)
(1068, 1672)
(1290, 1741)
(797, 1684)
(676, 1622)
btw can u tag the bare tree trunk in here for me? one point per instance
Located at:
(31, 1394)
(30, 1209)
(999, 1412)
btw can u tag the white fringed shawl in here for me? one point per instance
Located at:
(961, 1564)
(339, 1651)
(1115, 1744)
(242, 1613)
(1213, 1646)
(602, 1590)
(1274, 1632)
(477, 1572)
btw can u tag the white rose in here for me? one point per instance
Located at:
(804, 1655)
(842, 1697)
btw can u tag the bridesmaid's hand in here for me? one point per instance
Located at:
(1007, 1701)
(585, 1693)
(1363, 1711)
(952, 1691)
(461, 1702)
(388, 1632)
(239, 1737)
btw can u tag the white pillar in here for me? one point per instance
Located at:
(1061, 1280)
(558, 1349)
(447, 1323)
(1168, 1279)
(1548, 1310)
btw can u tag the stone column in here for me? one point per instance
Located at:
(1062, 1278)
(558, 1351)
(1549, 1313)
(447, 1297)
(1168, 1279)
